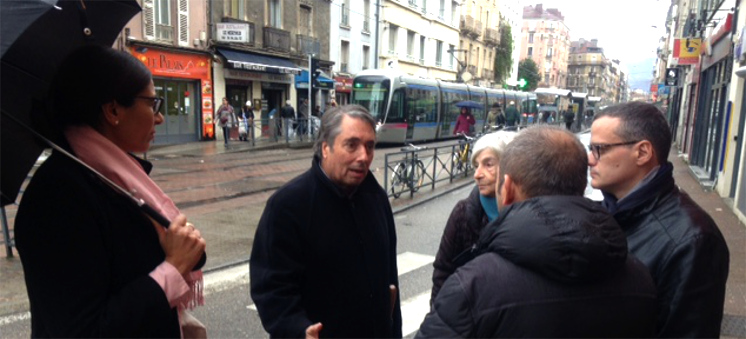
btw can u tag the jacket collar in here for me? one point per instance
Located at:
(319, 173)
(645, 192)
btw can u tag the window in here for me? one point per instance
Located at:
(304, 25)
(366, 18)
(410, 45)
(274, 13)
(549, 52)
(366, 57)
(393, 35)
(531, 38)
(454, 11)
(163, 28)
(546, 78)
(439, 54)
(451, 59)
(344, 56)
(235, 9)
(530, 51)
(442, 10)
(345, 13)
(422, 50)
(424, 6)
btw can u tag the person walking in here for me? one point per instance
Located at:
(511, 116)
(676, 239)
(464, 122)
(288, 114)
(471, 214)
(553, 264)
(225, 118)
(247, 120)
(95, 265)
(492, 117)
(323, 261)
(569, 116)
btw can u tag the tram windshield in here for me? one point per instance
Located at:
(373, 94)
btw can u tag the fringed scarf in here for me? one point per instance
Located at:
(108, 159)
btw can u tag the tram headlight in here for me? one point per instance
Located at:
(379, 125)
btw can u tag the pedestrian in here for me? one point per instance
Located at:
(471, 214)
(303, 112)
(275, 121)
(288, 114)
(675, 238)
(511, 116)
(554, 264)
(95, 265)
(225, 118)
(323, 261)
(569, 116)
(247, 120)
(464, 122)
(492, 117)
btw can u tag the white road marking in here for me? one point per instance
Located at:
(413, 311)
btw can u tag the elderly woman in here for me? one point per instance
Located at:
(470, 215)
(95, 265)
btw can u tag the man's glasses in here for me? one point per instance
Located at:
(157, 102)
(597, 148)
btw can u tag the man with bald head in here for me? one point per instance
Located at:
(553, 264)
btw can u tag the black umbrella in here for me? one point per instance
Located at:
(36, 35)
(469, 104)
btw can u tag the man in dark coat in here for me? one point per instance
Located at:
(556, 264)
(324, 256)
(512, 117)
(675, 238)
(569, 116)
(288, 114)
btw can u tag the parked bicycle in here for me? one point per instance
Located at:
(462, 155)
(409, 173)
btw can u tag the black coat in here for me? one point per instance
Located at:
(555, 267)
(86, 254)
(462, 231)
(319, 256)
(684, 250)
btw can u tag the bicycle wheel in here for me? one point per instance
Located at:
(418, 177)
(399, 180)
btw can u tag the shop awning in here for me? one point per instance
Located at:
(301, 81)
(258, 63)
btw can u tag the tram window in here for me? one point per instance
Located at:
(396, 113)
(422, 103)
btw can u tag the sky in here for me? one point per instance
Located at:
(624, 29)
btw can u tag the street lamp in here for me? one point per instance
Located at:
(461, 64)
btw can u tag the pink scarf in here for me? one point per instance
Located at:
(108, 159)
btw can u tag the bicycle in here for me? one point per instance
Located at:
(463, 154)
(409, 173)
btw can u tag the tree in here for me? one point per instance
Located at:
(504, 55)
(527, 69)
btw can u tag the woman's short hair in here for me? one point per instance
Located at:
(331, 124)
(90, 77)
(494, 142)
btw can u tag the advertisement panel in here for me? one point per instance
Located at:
(686, 51)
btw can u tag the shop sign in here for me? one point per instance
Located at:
(343, 84)
(252, 76)
(233, 32)
(686, 51)
(168, 64)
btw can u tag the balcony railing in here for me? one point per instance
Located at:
(468, 25)
(472, 69)
(308, 45)
(164, 33)
(276, 39)
(492, 37)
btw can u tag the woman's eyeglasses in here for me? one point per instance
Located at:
(597, 148)
(157, 102)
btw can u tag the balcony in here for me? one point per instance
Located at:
(487, 74)
(276, 39)
(308, 45)
(343, 67)
(472, 69)
(469, 26)
(491, 37)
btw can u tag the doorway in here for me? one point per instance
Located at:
(180, 120)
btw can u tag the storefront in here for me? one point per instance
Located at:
(342, 89)
(320, 93)
(264, 80)
(706, 158)
(184, 81)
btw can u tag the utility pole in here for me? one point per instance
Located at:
(461, 64)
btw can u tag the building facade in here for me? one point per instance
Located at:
(352, 43)
(590, 71)
(416, 35)
(479, 36)
(546, 39)
(511, 13)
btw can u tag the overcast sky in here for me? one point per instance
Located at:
(624, 29)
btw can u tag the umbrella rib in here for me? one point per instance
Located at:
(139, 202)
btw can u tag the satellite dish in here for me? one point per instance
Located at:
(466, 77)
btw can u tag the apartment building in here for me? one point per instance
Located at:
(352, 43)
(479, 36)
(590, 71)
(546, 39)
(417, 35)
(511, 13)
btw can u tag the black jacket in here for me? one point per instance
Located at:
(462, 231)
(86, 254)
(320, 256)
(287, 112)
(684, 250)
(555, 267)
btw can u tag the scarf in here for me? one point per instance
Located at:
(120, 167)
(489, 205)
(648, 187)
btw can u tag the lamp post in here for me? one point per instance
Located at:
(461, 64)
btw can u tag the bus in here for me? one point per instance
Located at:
(552, 102)
(410, 108)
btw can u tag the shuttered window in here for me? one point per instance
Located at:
(183, 23)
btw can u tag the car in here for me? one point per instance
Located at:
(590, 192)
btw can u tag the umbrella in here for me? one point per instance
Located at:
(36, 36)
(469, 104)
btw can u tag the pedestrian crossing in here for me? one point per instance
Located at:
(413, 309)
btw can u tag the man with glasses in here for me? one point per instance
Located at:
(675, 238)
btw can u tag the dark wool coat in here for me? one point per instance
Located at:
(555, 267)
(684, 250)
(86, 254)
(461, 232)
(319, 256)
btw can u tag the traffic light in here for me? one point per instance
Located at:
(315, 71)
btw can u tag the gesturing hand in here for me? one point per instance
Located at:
(312, 332)
(182, 243)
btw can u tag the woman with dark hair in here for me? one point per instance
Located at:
(225, 118)
(94, 264)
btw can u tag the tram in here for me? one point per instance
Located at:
(552, 101)
(409, 108)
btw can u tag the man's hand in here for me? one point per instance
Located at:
(312, 332)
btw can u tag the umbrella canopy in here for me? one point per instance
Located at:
(469, 104)
(36, 36)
